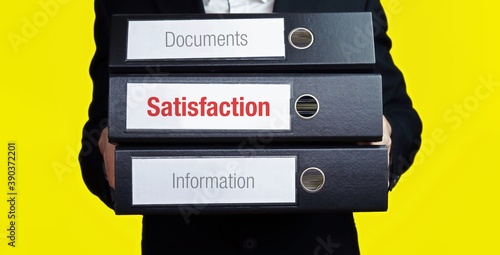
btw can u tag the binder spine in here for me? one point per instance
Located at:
(340, 42)
(234, 108)
(355, 179)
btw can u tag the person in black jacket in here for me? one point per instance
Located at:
(320, 233)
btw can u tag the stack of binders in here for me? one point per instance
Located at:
(246, 113)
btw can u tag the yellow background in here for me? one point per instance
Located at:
(446, 204)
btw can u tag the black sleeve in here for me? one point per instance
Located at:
(91, 161)
(405, 122)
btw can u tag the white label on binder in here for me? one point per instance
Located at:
(176, 106)
(206, 38)
(213, 180)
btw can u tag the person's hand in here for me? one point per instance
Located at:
(386, 137)
(108, 153)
